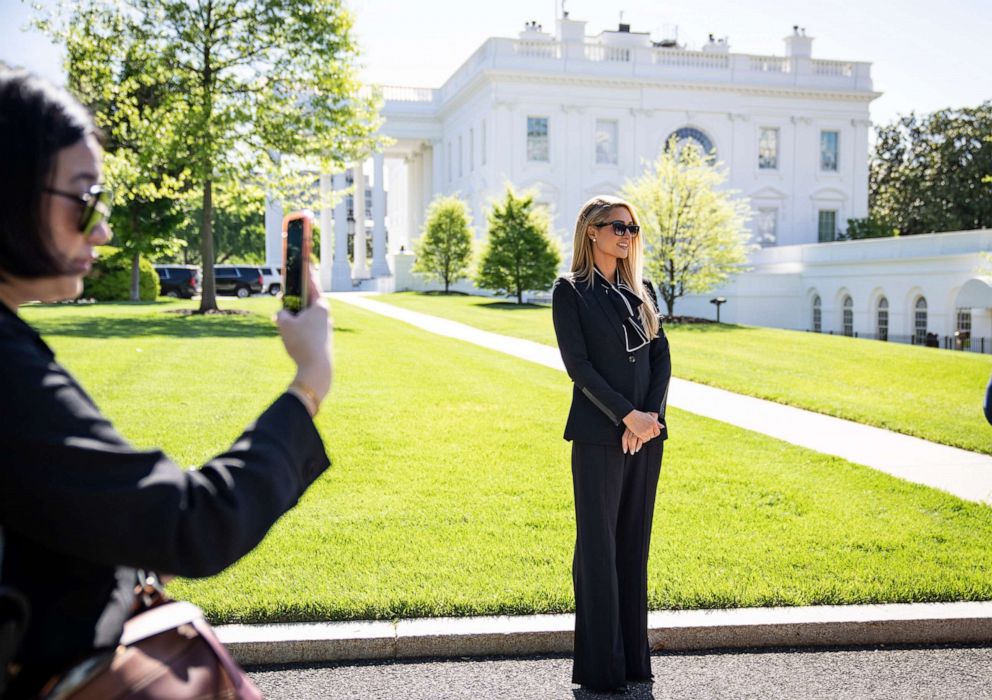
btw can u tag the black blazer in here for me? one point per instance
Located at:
(81, 508)
(609, 382)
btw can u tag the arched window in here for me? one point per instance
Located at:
(963, 336)
(882, 318)
(920, 321)
(848, 319)
(817, 314)
(689, 136)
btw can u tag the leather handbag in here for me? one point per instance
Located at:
(167, 651)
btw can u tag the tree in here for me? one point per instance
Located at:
(519, 253)
(695, 234)
(444, 252)
(239, 83)
(930, 173)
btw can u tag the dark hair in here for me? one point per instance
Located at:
(37, 120)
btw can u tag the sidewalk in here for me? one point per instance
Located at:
(967, 475)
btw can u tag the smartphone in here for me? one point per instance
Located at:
(297, 241)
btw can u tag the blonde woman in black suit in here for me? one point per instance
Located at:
(615, 351)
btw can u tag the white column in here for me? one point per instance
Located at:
(412, 197)
(360, 267)
(326, 233)
(273, 232)
(341, 270)
(428, 172)
(380, 268)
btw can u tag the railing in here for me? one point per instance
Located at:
(613, 54)
(401, 93)
(644, 62)
(844, 69)
(930, 340)
(537, 49)
(691, 59)
(770, 64)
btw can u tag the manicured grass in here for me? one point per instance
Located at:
(933, 394)
(450, 492)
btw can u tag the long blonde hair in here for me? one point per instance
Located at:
(595, 211)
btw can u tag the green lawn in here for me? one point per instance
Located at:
(933, 394)
(450, 492)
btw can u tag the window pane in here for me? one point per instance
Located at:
(767, 226)
(848, 316)
(920, 321)
(817, 314)
(828, 150)
(768, 149)
(537, 139)
(827, 225)
(883, 319)
(606, 141)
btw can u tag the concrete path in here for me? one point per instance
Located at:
(965, 474)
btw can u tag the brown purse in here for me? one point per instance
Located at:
(168, 651)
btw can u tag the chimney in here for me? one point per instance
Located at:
(570, 31)
(798, 45)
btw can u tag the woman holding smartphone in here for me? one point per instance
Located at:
(609, 333)
(80, 508)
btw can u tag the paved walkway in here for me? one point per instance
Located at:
(965, 474)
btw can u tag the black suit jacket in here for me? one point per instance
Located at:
(81, 508)
(609, 382)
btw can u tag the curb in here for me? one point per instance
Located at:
(680, 630)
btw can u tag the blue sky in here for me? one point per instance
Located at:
(925, 54)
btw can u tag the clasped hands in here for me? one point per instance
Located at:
(641, 427)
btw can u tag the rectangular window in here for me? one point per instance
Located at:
(461, 157)
(450, 178)
(829, 141)
(827, 225)
(471, 150)
(606, 141)
(482, 150)
(768, 149)
(537, 140)
(767, 226)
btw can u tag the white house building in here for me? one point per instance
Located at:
(570, 114)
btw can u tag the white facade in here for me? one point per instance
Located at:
(949, 272)
(571, 115)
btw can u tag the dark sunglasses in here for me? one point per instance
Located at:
(97, 204)
(620, 228)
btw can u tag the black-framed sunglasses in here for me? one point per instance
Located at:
(97, 205)
(621, 227)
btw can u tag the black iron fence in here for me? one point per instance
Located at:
(963, 342)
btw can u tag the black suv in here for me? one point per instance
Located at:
(237, 279)
(180, 281)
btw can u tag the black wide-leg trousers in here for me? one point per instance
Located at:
(614, 506)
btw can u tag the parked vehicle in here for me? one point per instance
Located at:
(271, 280)
(241, 280)
(178, 281)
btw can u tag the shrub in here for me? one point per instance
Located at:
(110, 278)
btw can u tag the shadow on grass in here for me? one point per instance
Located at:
(512, 305)
(161, 324)
(706, 327)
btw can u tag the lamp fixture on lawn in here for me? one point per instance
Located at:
(717, 301)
